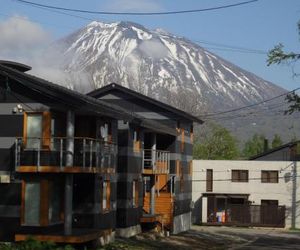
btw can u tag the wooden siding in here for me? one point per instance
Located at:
(163, 206)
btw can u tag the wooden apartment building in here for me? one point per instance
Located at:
(156, 160)
(74, 168)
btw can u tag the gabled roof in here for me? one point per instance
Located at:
(287, 145)
(113, 86)
(61, 95)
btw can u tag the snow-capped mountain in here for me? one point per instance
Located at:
(155, 62)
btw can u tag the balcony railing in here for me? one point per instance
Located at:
(156, 161)
(88, 152)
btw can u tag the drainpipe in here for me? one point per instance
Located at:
(70, 131)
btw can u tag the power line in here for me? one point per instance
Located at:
(236, 50)
(136, 13)
(248, 106)
(231, 47)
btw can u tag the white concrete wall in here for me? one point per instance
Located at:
(281, 191)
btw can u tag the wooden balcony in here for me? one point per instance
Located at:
(89, 155)
(156, 161)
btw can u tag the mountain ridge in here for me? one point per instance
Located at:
(174, 70)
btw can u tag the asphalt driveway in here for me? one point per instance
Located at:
(204, 237)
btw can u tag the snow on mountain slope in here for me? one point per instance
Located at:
(154, 61)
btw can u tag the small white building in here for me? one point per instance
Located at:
(253, 193)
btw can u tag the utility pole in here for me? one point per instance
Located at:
(294, 194)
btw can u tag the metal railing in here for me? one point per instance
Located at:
(156, 160)
(88, 152)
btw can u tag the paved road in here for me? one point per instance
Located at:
(250, 238)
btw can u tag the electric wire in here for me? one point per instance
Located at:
(248, 106)
(136, 13)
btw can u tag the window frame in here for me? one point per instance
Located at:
(44, 202)
(137, 145)
(209, 183)
(45, 128)
(105, 196)
(239, 173)
(269, 179)
(135, 193)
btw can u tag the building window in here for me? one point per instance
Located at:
(209, 180)
(269, 176)
(37, 130)
(135, 193)
(182, 140)
(136, 141)
(172, 185)
(179, 173)
(105, 196)
(269, 202)
(106, 132)
(32, 203)
(239, 176)
(41, 202)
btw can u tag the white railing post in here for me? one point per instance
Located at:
(83, 152)
(97, 154)
(39, 154)
(143, 161)
(91, 153)
(16, 153)
(61, 152)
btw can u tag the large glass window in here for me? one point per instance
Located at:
(42, 203)
(34, 130)
(54, 212)
(32, 203)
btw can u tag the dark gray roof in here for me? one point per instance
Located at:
(101, 91)
(73, 99)
(287, 145)
(16, 65)
(77, 101)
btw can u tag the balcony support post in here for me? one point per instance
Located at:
(70, 138)
(69, 177)
(152, 194)
(68, 204)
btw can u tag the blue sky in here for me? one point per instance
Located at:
(259, 25)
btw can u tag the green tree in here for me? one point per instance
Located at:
(216, 144)
(276, 142)
(278, 56)
(254, 146)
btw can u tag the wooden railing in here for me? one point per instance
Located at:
(88, 152)
(156, 161)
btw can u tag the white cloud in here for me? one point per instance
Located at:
(21, 38)
(153, 48)
(27, 42)
(133, 5)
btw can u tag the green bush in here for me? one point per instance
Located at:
(31, 244)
